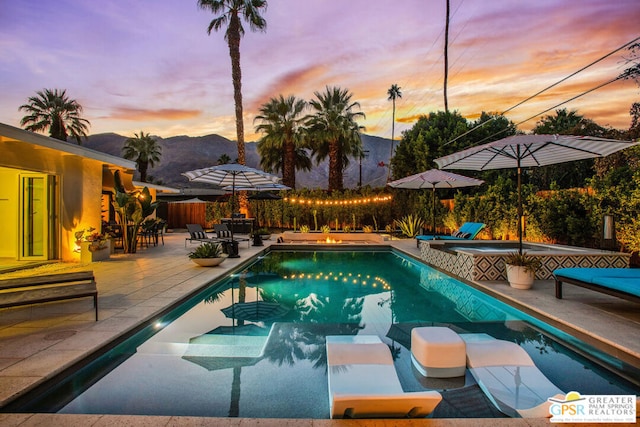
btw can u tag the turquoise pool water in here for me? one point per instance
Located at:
(252, 344)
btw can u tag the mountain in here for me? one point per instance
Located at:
(184, 153)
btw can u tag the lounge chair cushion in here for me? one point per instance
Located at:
(468, 231)
(620, 279)
(363, 382)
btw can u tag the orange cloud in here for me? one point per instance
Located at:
(290, 83)
(409, 119)
(128, 113)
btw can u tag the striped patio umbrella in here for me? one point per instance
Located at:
(233, 175)
(530, 151)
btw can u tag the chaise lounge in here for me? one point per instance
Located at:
(508, 377)
(197, 234)
(619, 282)
(468, 231)
(363, 382)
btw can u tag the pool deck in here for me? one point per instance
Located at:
(38, 341)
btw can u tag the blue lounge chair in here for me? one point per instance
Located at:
(618, 282)
(468, 231)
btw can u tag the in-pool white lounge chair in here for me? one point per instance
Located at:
(363, 382)
(509, 378)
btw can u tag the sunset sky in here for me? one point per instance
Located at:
(150, 65)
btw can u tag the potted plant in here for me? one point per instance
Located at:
(521, 269)
(264, 233)
(93, 246)
(208, 254)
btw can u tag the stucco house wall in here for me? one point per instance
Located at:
(79, 173)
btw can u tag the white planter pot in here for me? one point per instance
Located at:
(208, 262)
(518, 277)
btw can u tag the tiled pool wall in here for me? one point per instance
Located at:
(490, 266)
(464, 299)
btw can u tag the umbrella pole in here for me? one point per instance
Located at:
(232, 250)
(519, 204)
(433, 210)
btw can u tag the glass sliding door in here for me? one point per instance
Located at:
(38, 218)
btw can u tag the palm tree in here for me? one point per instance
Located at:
(282, 146)
(144, 150)
(333, 132)
(52, 110)
(393, 92)
(224, 159)
(228, 15)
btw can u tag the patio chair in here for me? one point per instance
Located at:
(508, 377)
(363, 382)
(197, 234)
(468, 231)
(224, 234)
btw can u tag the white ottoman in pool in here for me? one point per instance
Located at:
(438, 352)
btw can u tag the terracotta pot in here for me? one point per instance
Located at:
(518, 277)
(208, 262)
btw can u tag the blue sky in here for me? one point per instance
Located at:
(150, 65)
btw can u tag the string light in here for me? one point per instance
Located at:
(367, 280)
(345, 202)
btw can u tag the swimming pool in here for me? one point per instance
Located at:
(213, 357)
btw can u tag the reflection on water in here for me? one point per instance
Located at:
(254, 344)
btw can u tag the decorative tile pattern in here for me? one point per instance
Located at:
(478, 267)
(466, 303)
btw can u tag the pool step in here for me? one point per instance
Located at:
(209, 346)
(226, 346)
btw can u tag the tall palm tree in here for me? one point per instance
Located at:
(144, 150)
(229, 15)
(282, 146)
(333, 132)
(393, 92)
(52, 110)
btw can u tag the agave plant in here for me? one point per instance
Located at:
(207, 250)
(410, 225)
(325, 229)
(304, 228)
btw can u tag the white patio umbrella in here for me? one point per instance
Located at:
(528, 151)
(432, 179)
(233, 175)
